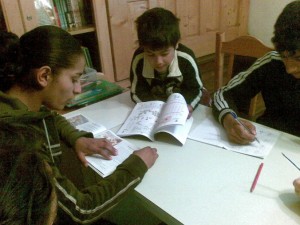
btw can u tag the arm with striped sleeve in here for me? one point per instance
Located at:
(237, 94)
(89, 204)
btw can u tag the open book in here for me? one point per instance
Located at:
(103, 166)
(153, 117)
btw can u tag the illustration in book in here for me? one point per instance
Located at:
(153, 117)
(103, 166)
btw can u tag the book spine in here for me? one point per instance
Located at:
(74, 8)
(81, 5)
(67, 16)
(86, 10)
(88, 57)
(57, 16)
(61, 14)
(55, 13)
(45, 13)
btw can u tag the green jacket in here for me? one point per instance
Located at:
(83, 205)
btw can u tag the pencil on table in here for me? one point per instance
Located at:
(256, 177)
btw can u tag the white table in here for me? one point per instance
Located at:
(202, 184)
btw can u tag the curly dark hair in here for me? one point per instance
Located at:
(287, 29)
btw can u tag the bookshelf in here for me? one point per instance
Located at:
(21, 16)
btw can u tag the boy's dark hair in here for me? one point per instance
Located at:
(157, 28)
(287, 29)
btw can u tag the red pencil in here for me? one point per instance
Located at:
(256, 177)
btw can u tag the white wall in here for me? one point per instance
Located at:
(263, 15)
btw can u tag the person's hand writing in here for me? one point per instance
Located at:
(148, 155)
(88, 146)
(236, 132)
(296, 184)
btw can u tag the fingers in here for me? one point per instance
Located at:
(89, 146)
(238, 139)
(296, 184)
(106, 147)
(151, 151)
(154, 152)
(237, 133)
(241, 133)
(148, 155)
(81, 157)
(250, 126)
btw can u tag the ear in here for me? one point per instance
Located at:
(43, 75)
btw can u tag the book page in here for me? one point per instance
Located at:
(83, 123)
(180, 132)
(175, 111)
(105, 167)
(101, 165)
(211, 132)
(142, 119)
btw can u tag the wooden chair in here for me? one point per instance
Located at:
(247, 47)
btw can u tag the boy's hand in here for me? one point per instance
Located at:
(236, 132)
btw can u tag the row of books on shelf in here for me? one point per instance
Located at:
(66, 14)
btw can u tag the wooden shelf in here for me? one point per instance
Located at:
(81, 30)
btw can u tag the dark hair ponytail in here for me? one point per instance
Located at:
(43, 46)
(47, 46)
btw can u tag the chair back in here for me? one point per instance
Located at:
(243, 46)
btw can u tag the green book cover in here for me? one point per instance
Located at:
(102, 90)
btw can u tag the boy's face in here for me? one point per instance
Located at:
(292, 63)
(160, 59)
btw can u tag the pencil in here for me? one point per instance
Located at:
(256, 177)
(294, 164)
